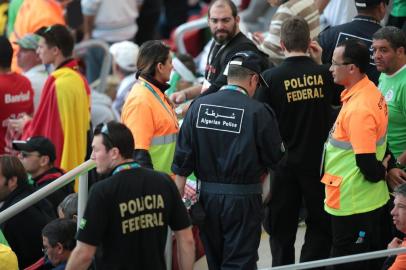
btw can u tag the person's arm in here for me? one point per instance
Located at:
(363, 135)
(88, 24)
(180, 182)
(395, 176)
(81, 257)
(186, 248)
(19, 124)
(321, 5)
(186, 94)
(269, 139)
(400, 260)
(372, 169)
(271, 43)
(89, 10)
(315, 51)
(395, 243)
(184, 158)
(375, 170)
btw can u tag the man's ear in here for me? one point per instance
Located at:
(115, 153)
(44, 160)
(59, 248)
(283, 46)
(56, 51)
(400, 51)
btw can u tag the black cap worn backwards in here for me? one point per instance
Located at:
(251, 61)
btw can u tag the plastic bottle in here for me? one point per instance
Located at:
(361, 236)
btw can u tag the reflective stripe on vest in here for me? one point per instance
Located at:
(165, 139)
(348, 146)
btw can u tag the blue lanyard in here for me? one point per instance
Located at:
(127, 166)
(234, 88)
(149, 87)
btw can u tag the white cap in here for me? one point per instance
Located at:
(125, 54)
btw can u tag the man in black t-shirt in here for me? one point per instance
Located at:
(128, 213)
(300, 91)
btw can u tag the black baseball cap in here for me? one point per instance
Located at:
(251, 61)
(368, 3)
(38, 143)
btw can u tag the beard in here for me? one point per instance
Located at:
(226, 35)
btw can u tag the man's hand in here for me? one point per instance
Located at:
(258, 37)
(178, 97)
(385, 161)
(18, 124)
(395, 177)
(315, 51)
(395, 243)
(180, 182)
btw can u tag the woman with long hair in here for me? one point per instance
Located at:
(148, 113)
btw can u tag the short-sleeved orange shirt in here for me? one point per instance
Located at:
(363, 119)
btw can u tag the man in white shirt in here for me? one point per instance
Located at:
(125, 55)
(31, 65)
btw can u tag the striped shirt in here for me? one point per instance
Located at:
(305, 9)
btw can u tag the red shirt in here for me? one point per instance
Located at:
(16, 98)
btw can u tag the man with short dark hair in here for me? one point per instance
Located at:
(128, 213)
(37, 154)
(223, 22)
(229, 141)
(356, 160)
(301, 93)
(58, 239)
(16, 97)
(389, 47)
(23, 231)
(361, 28)
(63, 115)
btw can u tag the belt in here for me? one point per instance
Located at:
(230, 189)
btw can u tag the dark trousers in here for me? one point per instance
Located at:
(289, 187)
(232, 230)
(346, 233)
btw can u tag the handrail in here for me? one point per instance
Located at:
(186, 27)
(168, 249)
(45, 191)
(80, 50)
(65, 179)
(82, 196)
(341, 260)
